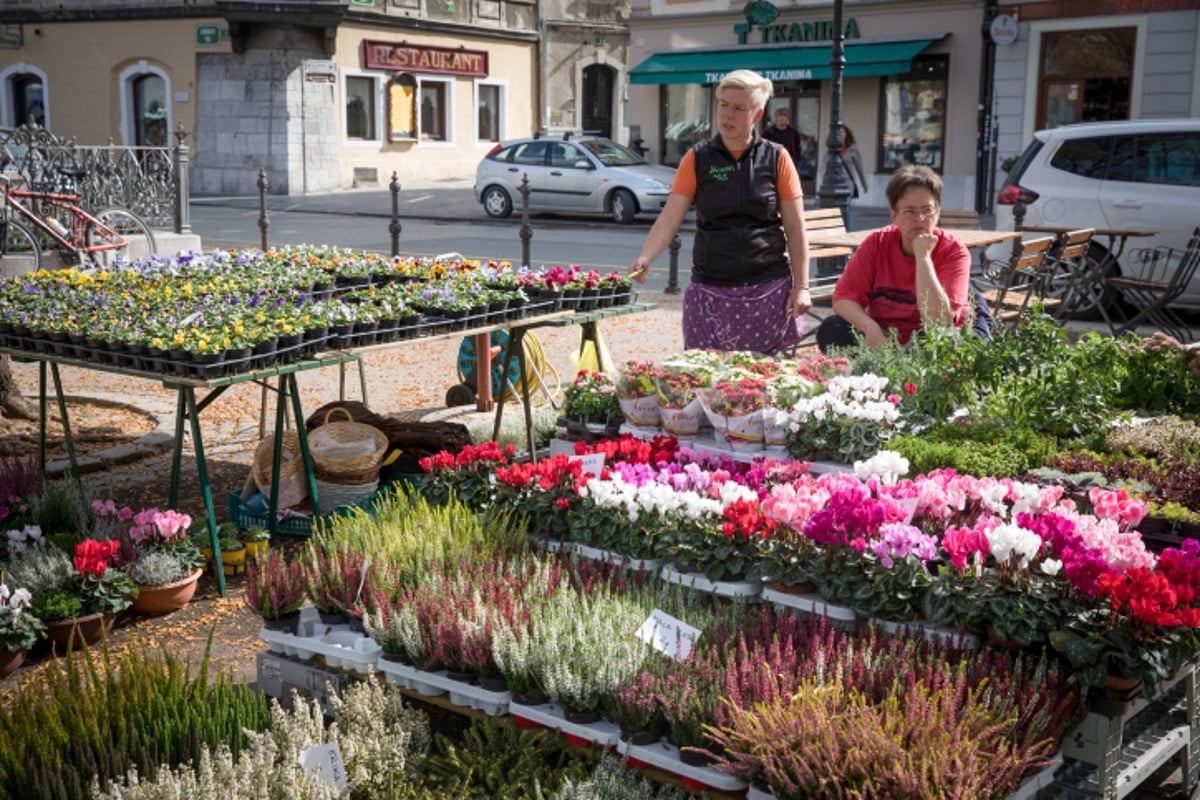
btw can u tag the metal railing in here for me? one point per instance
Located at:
(142, 179)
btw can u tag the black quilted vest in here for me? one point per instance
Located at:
(739, 233)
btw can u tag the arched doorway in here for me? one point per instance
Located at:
(596, 114)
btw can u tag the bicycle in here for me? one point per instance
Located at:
(83, 236)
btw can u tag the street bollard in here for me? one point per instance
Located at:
(673, 269)
(526, 231)
(183, 209)
(263, 222)
(394, 225)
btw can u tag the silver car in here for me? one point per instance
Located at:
(586, 174)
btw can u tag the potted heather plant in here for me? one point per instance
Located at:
(336, 574)
(275, 590)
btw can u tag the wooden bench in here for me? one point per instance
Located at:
(963, 220)
(825, 220)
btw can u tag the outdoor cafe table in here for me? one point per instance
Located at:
(188, 408)
(969, 237)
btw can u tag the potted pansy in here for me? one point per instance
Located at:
(20, 629)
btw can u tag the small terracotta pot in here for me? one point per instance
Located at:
(155, 600)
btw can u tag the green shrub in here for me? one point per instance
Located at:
(981, 448)
(56, 511)
(95, 720)
(57, 605)
(497, 761)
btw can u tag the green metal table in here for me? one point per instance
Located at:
(288, 408)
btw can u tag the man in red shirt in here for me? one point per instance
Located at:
(904, 277)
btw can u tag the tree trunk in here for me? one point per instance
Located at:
(12, 404)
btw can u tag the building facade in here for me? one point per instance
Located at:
(1064, 61)
(321, 94)
(911, 85)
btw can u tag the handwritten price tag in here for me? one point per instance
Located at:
(668, 635)
(591, 464)
(326, 759)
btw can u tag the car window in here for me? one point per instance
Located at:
(563, 154)
(1122, 165)
(503, 154)
(1169, 158)
(530, 153)
(1085, 157)
(612, 154)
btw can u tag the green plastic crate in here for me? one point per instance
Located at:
(296, 526)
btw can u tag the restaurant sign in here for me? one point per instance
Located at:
(421, 58)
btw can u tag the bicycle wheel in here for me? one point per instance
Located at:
(131, 227)
(19, 249)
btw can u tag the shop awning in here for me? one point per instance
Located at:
(789, 62)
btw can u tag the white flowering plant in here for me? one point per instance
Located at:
(851, 420)
(19, 628)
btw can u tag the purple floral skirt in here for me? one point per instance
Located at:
(752, 317)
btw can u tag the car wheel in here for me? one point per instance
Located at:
(496, 202)
(1086, 306)
(624, 207)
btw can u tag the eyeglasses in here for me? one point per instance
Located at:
(912, 213)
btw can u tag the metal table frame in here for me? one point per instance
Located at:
(587, 321)
(188, 409)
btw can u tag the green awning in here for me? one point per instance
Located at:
(796, 62)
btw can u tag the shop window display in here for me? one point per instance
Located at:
(687, 119)
(914, 115)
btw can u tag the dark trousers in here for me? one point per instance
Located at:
(837, 332)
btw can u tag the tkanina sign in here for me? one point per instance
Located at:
(761, 27)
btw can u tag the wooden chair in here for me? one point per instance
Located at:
(1062, 270)
(1010, 285)
(1163, 274)
(826, 265)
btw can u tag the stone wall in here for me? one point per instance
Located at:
(260, 114)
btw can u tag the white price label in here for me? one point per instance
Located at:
(591, 463)
(668, 635)
(326, 759)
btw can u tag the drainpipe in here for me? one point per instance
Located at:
(543, 68)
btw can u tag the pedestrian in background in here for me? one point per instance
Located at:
(784, 134)
(749, 286)
(853, 161)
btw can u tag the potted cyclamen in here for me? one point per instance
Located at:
(167, 565)
(275, 590)
(86, 609)
(19, 628)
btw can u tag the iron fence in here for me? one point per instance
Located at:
(142, 179)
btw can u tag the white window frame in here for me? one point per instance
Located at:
(6, 98)
(501, 111)
(448, 83)
(380, 80)
(125, 83)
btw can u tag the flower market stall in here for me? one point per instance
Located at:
(209, 322)
(998, 546)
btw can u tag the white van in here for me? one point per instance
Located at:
(1131, 175)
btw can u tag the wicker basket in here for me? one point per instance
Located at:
(347, 452)
(335, 495)
(292, 486)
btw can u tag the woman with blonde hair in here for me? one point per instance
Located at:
(749, 283)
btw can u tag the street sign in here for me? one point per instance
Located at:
(320, 70)
(208, 35)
